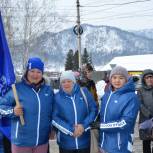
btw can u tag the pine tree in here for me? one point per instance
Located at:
(85, 57)
(76, 61)
(69, 60)
(90, 61)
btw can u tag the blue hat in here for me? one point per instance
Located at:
(35, 63)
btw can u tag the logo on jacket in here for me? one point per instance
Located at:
(81, 98)
(115, 101)
(46, 94)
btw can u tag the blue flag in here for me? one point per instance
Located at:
(7, 76)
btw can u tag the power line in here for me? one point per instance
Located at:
(83, 12)
(30, 8)
(117, 4)
(96, 1)
(100, 10)
(118, 17)
(133, 13)
(37, 16)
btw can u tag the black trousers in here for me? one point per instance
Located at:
(147, 146)
(86, 150)
(48, 149)
(7, 145)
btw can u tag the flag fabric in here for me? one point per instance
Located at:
(7, 76)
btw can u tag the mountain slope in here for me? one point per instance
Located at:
(103, 43)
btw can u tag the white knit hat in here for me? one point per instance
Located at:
(67, 75)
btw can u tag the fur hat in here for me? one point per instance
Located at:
(69, 75)
(35, 62)
(119, 70)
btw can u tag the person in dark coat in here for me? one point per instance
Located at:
(145, 94)
(88, 82)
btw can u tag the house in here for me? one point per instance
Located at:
(135, 64)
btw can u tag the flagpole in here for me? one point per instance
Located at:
(17, 102)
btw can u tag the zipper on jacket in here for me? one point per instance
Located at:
(38, 123)
(58, 136)
(17, 128)
(105, 115)
(119, 140)
(75, 112)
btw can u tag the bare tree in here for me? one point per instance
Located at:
(25, 20)
(6, 9)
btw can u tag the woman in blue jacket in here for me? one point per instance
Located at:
(36, 100)
(119, 109)
(73, 112)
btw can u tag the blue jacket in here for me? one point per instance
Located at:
(37, 107)
(70, 110)
(118, 114)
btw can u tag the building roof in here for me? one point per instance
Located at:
(131, 63)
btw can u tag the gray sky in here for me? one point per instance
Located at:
(125, 14)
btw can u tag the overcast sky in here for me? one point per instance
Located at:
(125, 14)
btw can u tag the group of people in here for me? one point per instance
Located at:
(73, 108)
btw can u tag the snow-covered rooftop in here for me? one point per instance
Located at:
(131, 63)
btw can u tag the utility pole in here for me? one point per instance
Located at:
(79, 34)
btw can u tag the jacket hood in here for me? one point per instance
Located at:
(128, 87)
(145, 72)
(74, 90)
